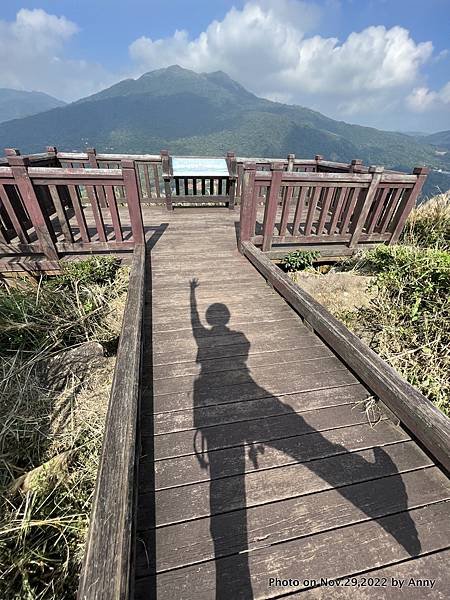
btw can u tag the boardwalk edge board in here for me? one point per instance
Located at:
(413, 409)
(108, 567)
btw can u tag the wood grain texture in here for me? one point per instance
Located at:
(108, 567)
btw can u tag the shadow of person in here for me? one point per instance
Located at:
(235, 582)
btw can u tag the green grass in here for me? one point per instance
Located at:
(50, 438)
(408, 320)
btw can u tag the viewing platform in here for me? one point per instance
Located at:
(238, 460)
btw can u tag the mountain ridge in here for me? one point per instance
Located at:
(16, 104)
(209, 113)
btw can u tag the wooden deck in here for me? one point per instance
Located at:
(257, 460)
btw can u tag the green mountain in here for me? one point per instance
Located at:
(15, 104)
(208, 114)
(441, 139)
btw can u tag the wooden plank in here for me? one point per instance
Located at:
(299, 209)
(388, 540)
(337, 210)
(411, 578)
(247, 457)
(294, 518)
(96, 210)
(184, 420)
(287, 197)
(61, 213)
(156, 179)
(421, 417)
(360, 217)
(324, 210)
(271, 206)
(112, 205)
(314, 380)
(234, 435)
(236, 362)
(259, 376)
(378, 208)
(170, 356)
(175, 505)
(15, 221)
(79, 213)
(313, 200)
(108, 567)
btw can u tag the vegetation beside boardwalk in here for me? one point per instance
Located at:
(57, 343)
(405, 316)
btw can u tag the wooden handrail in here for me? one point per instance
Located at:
(108, 566)
(418, 414)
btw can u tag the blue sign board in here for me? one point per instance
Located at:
(200, 167)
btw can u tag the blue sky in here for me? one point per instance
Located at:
(384, 63)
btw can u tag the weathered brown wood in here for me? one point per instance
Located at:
(248, 200)
(378, 209)
(134, 205)
(79, 213)
(368, 198)
(167, 174)
(92, 159)
(18, 226)
(408, 202)
(271, 205)
(39, 218)
(282, 560)
(421, 417)
(112, 204)
(108, 567)
(324, 210)
(184, 420)
(61, 213)
(313, 200)
(296, 517)
(300, 479)
(96, 210)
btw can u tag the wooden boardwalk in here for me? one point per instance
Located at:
(257, 460)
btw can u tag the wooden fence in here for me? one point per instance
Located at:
(323, 203)
(53, 210)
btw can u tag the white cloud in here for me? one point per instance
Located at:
(423, 99)
(266, 47)
(32, 57)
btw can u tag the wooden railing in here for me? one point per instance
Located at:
(108, 566)
(325, 203)
(51, 210)
(414, 410)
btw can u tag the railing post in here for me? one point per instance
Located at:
(12, 152)
(231, 163)
(290, 165)
(355, 166)
(408, 202)
(248, 200)
(361, 215)
(134, 205)
(270, 211)
(38, 217)
(166, 165)
(53, 151)
(318, 158)
(93, 163)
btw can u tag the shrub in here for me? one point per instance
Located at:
(408, 320)
(428, 226)
(299, 260)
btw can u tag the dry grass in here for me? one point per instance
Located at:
(50, 436)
